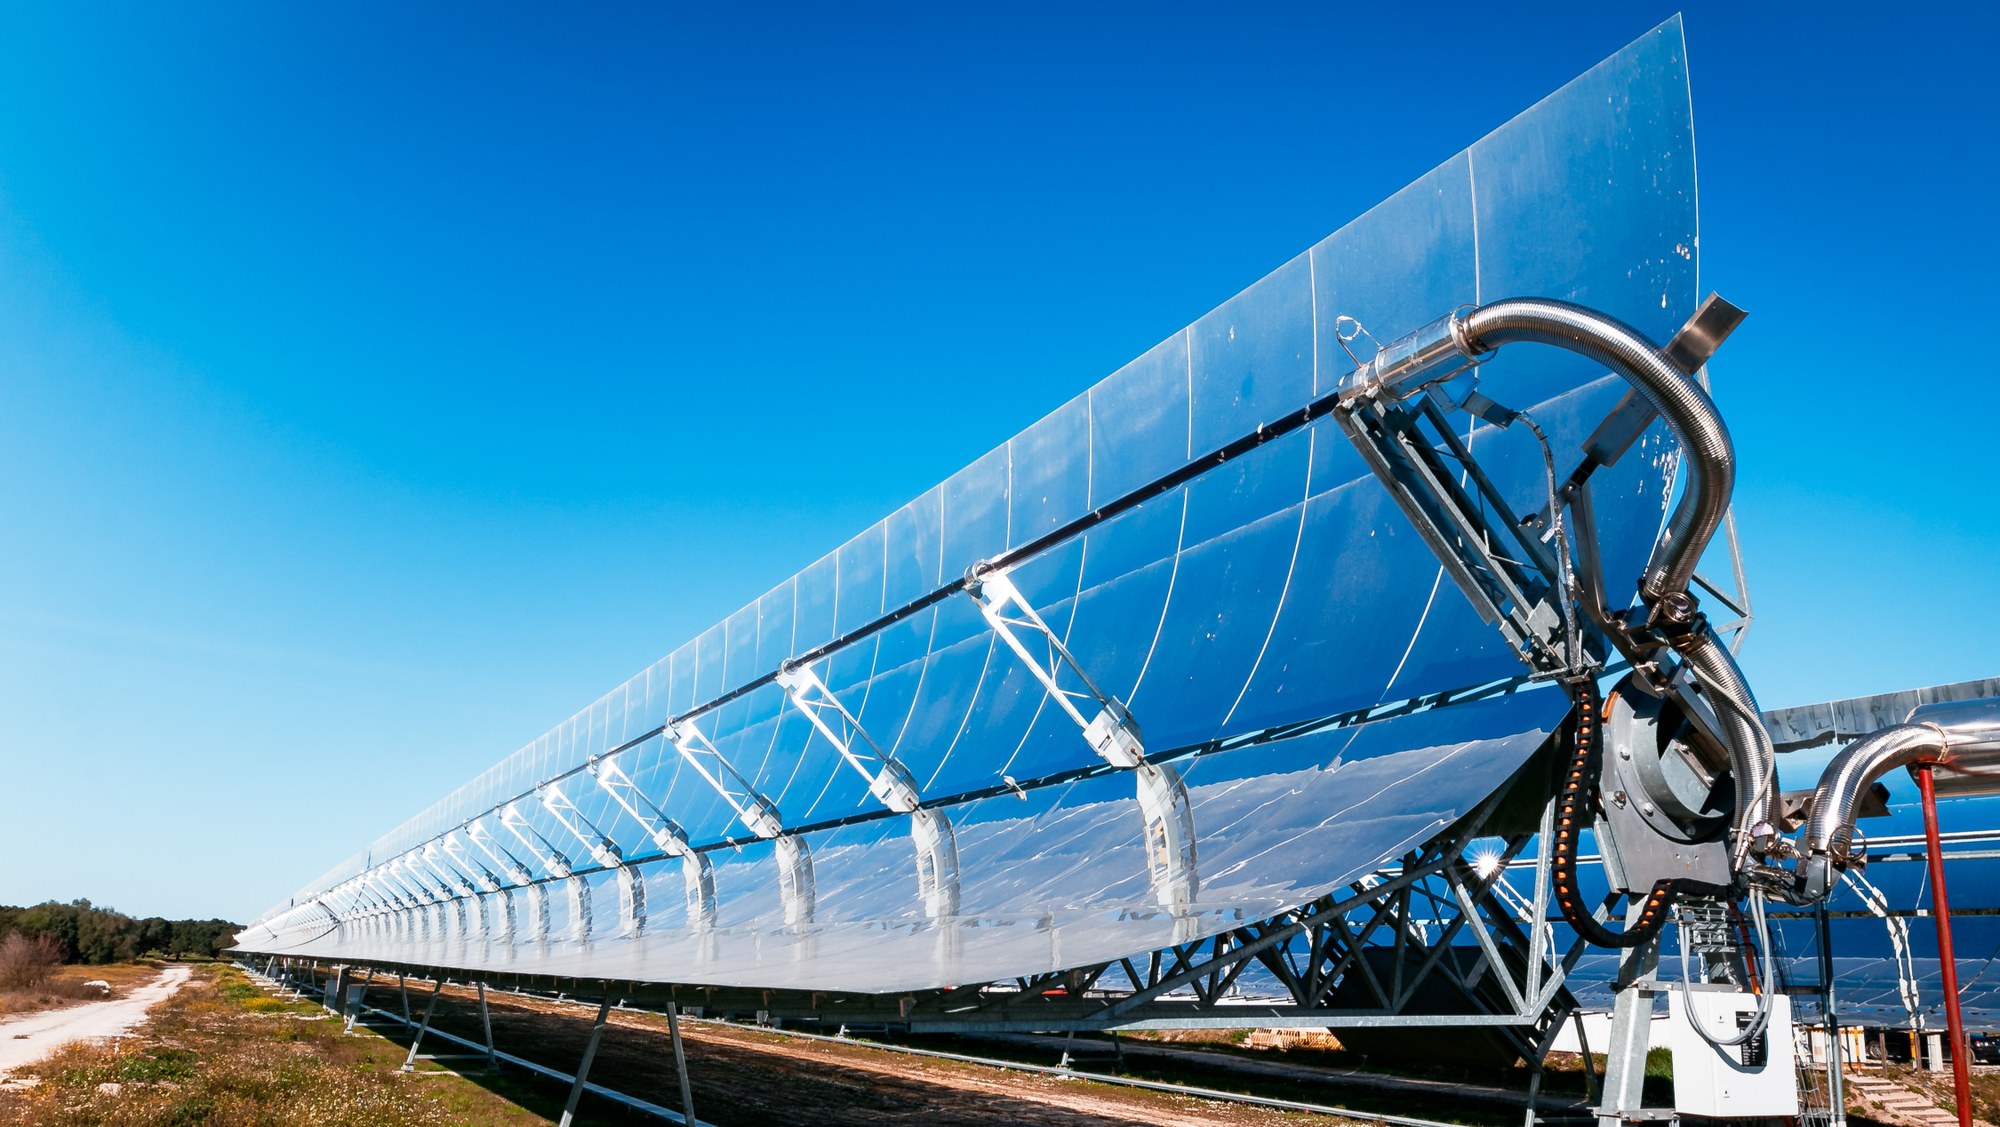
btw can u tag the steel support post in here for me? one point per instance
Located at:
(1836, 1096)
(403, 988)
(583, 1069)
(1624, 1091)
(430, 1007)
(1941, 911)
(367, 978)
(680, 1062)
(486, 1026)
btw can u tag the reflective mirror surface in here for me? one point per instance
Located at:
(1172, 701)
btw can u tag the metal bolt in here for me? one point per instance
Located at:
(1618, 797)
(1678, 607)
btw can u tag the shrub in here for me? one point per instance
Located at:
(27, 963)
(157, 1064)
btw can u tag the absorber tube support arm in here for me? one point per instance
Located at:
(1448, 346)
(1437, 356)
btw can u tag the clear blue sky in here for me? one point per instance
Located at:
(380, 385)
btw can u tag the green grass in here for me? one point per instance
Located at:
(222, 1054)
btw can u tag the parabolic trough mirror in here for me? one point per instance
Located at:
(1168, 661)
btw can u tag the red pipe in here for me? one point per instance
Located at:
(1941, 912)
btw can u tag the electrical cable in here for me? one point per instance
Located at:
(1762, 1019)
(1565, 578)
(1572, 806)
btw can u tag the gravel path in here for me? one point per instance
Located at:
(29, 1038)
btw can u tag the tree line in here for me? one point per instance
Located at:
(82, 932)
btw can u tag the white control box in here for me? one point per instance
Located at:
(1758, 1078)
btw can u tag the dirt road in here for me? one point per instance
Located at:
(26, 1039)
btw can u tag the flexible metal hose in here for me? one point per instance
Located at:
(1963, 736)
(1680, 400)
(1753, 762)
(1830, 829)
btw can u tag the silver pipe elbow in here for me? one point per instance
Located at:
(1453, 343)
(1829, 831)
(1961, 738)
(1711, 469)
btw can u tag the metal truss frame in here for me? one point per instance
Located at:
(457, 889)
(425, 912)
(889, 782)
(758, 814)
(489, 843)
(497, 904)
(1110, 729)
(1506, 572)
